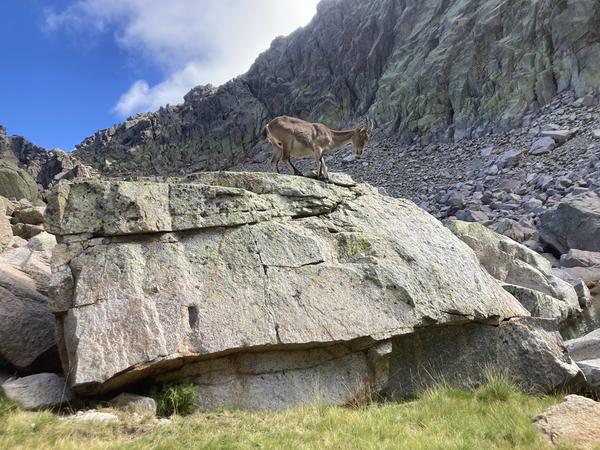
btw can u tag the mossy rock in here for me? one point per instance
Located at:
(15, 183)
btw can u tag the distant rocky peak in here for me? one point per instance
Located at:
(439, 70)
(200, 92)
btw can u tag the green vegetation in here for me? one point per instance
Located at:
(352, 244)
(175, 397)
(493, 417)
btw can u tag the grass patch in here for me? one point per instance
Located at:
(497, 416)
(175, 397)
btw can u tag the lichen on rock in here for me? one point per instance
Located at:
(271, 282)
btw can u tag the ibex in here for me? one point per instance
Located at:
(292, 137)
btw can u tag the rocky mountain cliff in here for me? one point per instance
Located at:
(425, 70)
(24, 167)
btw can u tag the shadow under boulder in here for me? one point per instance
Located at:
(529, 351)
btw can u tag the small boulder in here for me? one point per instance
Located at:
(39, 391)
(538, 303)
(486, 152)
(514, 230)
(575, 223)
(533, 205)
(580, 258)
(509, 159)
(585, 348)
(542, 146)
(575, 423)
(596, 133)
(134, 403)
(586, 352)
(513, 263)
(591, 370)
(32, 216)
(26, 230)
(560, 136)
(572, 275)
(470, 215)
(492, 170)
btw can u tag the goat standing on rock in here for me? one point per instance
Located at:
(290, 136)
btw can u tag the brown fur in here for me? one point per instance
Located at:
(292, 137)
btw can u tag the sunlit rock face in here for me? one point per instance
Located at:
(434, 70)
(264, 290)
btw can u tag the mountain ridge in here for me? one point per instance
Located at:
(434, 70)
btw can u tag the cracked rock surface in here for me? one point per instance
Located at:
(249, 283)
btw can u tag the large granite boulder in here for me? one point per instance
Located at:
(264, 290)
(528, 351)
(574, 224)
(515, 264)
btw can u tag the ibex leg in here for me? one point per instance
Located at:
(292, 167)
(319, 161)
(277, 153)
(324, 170)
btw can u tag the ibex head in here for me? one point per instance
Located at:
(362, 136)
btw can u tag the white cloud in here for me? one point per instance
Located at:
(192, 41)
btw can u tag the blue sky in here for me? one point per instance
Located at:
(71, 67)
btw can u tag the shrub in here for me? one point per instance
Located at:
(175, 397)
(499, 387)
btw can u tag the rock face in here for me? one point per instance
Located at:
(15, 183)
(529, 351)
(400, 61)
(540, 304)
(575, 223)
(575, 422)
(36, 166)
(515, 264)
(39, 391)
(255, 286)
(27, 327)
